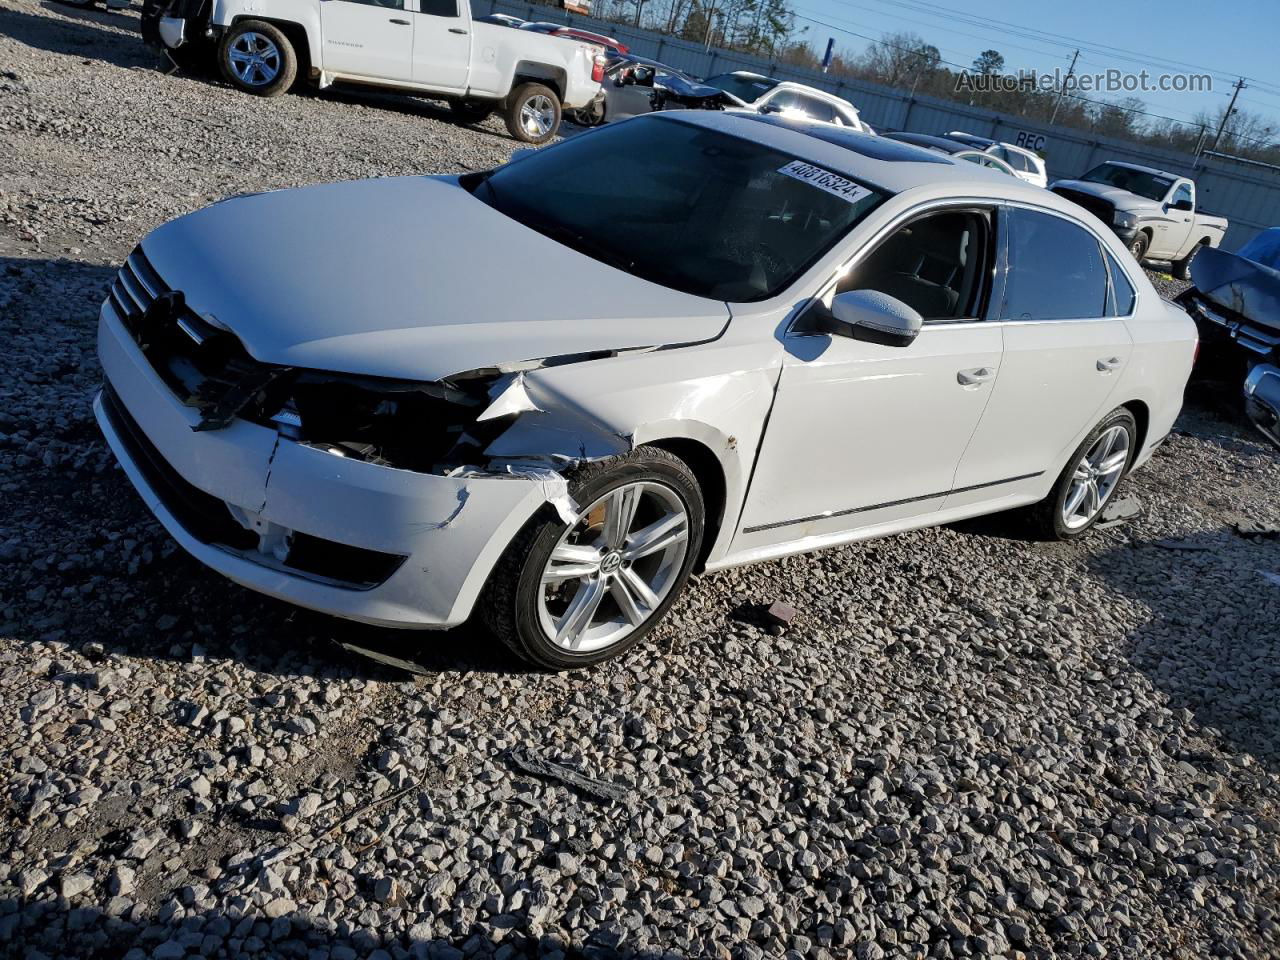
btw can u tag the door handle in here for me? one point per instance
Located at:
(458, 30)
(403, 23)
(969, 378)
(1108, 364)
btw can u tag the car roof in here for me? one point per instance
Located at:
(961, 136)
(1141, 168)
(891, 165)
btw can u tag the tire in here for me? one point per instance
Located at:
(276, 64)
(541, 121)
(470, 111)
(1139, 245)
(1049, 518)
(1181, 269)
(592, 115)
(525, 612)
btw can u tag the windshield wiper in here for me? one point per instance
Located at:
(574, 240)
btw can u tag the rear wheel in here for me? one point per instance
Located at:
(533, 113)
(258, 58)
(1181, 269)
(570, 595)
(1090, 479)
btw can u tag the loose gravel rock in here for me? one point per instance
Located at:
(965, 744)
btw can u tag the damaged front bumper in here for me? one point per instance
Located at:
(1262, 400)
(355, 539)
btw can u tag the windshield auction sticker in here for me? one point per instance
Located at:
(825, 180)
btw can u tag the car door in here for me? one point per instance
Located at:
(863, 434)
(367, 38)
(1064, 351)
(442, 41)
(1174, 239)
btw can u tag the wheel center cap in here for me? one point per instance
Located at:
(611, 563)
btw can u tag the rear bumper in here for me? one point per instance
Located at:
(357, 540)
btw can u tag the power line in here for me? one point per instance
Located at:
(1005, 26)
(1069, 96)
(985, 39)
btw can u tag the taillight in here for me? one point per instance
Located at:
(597, 69)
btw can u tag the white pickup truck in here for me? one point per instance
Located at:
(429, 47)
(1152, 211)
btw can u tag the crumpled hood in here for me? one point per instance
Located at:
(1121, 199)
(407, 277)
(690, 88)
(1250, 288)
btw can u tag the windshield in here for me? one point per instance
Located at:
(679, 205)
(1149, 185)
(745, 88)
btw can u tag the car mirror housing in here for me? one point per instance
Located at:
(1181, 205)
(874, 317)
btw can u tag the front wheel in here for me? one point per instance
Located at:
(1138, 246)
(258, 58)
(470, 111)
(570, 595)
(1089, 481)
(533, 113)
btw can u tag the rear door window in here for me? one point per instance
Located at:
(1056, 271)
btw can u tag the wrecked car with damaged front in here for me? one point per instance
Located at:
(405, 401)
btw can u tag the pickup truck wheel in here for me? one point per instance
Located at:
(1181, 269)
(256, 57)
(470, 111)
(1089, 481)
(1138, 246)
(533, 113)
(568, 595)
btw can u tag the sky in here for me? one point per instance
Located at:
(1238, 38)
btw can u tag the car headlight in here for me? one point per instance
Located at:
(1125, 221)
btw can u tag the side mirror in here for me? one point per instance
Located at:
(771, 108)
(1181, 205)
(874, 317)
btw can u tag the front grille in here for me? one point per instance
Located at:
(1104, 210)
(207, 518)
(205, 366)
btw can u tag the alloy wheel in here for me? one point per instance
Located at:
(254, 58)
(1095, 477)
(614, 567)
(538, 115)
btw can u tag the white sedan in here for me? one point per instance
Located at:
(376, 398)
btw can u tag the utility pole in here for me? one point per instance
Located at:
(1231, 108)
(711, 16)
(1065, 83)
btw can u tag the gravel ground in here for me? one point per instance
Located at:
(967, 744)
